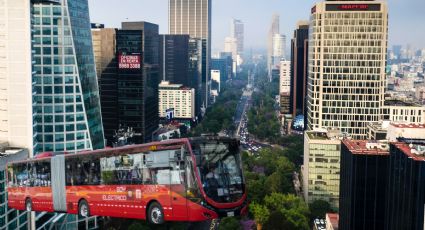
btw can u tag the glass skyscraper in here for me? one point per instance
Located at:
(66, 97)
(193, 17)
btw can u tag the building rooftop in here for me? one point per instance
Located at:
(396, 102)
(416, 152)
(9, 154)
(5, 150)
(330, 134)
(165, 129)
(168, 85)
(367, 147)
(407, 125)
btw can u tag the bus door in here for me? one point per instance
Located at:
(58, 183)
(178, 184)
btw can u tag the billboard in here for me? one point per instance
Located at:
(129, 61)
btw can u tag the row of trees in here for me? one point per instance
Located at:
(269, 180)
(220, 115)
(262, 119)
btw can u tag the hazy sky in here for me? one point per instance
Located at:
(406, 25)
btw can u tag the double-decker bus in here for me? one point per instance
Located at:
(192, 179)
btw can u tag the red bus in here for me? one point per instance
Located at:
(192, 179)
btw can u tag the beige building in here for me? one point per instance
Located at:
(177, 97)
(104, 45)
(347, 56)
(403, 111)
(320, 171)
(231, 46)
(16, 75)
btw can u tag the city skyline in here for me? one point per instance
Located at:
(402, 28)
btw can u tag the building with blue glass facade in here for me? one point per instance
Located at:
(66, 96)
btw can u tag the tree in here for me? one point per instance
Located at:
(229, 223)
(293, 209)
(261, 214)
(319, 208)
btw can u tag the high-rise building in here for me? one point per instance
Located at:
(224, 65)
(67, 105)
(274, 29)
(48, 84)
(279, 42)
(299, 65)
(321, 166)
(196, 63)
(406, 185)
(177, 99)
(347, 61)
(397, 51)
(10, 218)
(216, 80)
(174, 59)
(231, 46)
(104, 46)
(363, 184)
(16, 75)
(237, 31)
(193, 17)
(285, 86)
(138, 78)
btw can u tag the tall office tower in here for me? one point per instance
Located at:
(174, 59)
(138, 78)
(16, 75)
(321, 166)
(67, 98)
(363, 184)
(279, 42)
(405, 194)
(231, 46)
(196, 60)
(347, 55)
(299, 65)
(237, 31)
(224, 65)
(274, 29)
(397, 51)
(104, 46)
(285, 86)
(193, 17)
(216, 80)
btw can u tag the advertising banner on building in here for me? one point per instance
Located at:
(129, 61)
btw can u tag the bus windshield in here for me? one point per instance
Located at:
(219, 166)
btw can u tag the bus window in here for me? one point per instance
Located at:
(21, 175)
(125, 169)
(193, 192)
(10, 176)
(39, 174)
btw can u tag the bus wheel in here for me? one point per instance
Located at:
(28, 205)
(83, 209)
(155, 214)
